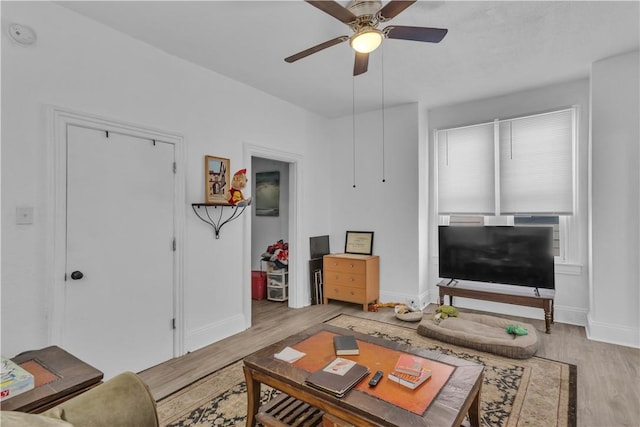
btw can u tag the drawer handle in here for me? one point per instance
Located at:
(351, 279)
(351, 265)
(352, 293)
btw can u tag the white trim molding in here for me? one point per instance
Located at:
(612, 333)
(298, 289)
(59, 119)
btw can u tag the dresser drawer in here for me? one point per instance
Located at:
(345, 279)
(344, 265)
(344, 293)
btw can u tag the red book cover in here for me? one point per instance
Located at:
(410, 365)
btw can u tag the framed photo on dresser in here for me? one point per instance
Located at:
(359, 242)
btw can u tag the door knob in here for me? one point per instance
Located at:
(77, 275)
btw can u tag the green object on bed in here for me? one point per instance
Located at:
(517, 330)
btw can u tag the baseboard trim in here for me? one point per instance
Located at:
(422, 300)
(214, 332)
(613, 333)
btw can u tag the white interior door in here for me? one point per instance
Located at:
(120, 238)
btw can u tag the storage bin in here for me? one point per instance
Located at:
(258, 285)
(278, 293)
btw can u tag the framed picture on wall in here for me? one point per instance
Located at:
(216, 179)
(359, 242)
(268, 193)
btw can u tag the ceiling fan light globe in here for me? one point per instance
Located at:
(366, 41)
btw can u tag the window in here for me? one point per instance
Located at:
(518, 172)
(542, 221)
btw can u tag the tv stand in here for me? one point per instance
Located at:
(521, 297)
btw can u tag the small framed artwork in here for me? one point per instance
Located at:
(359, 242)
(216, 179)
(268, 193)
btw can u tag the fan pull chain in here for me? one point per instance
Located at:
(353, 114)
(382, 85)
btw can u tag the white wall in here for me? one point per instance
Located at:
(572, 291)
(389, 209)
(615, 275)
(84, 66)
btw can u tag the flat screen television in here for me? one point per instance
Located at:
(498, 254)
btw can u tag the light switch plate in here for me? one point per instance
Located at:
(24, 215)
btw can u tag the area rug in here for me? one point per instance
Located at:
(531, 392)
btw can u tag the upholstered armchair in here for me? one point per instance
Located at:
(124, 400)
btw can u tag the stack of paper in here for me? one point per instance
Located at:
(289, 354)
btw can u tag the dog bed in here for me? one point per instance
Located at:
(482, 332)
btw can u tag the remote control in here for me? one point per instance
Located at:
(376, 379)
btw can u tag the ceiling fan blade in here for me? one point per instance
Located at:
(316, 48)
(393, 8)
(420, 34)
(361, 63)
(334, 9)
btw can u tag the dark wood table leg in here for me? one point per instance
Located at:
(441, 296)
(548, 315)
(253, 397)
(474, 409)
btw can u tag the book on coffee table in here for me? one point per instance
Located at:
(345, 345)
(338, 377)
(409, 364)
(410, 381)
(15, 379)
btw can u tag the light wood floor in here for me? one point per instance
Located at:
(608, 375)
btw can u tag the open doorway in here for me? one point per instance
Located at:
(270, 230)
(298, 292)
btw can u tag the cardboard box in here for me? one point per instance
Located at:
(15, 380)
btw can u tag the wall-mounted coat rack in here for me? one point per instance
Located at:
(211, 219)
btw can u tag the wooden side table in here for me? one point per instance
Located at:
(58, 376)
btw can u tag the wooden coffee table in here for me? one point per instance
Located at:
(58, 376)
(444, 400)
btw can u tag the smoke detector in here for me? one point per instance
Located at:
(22, 34)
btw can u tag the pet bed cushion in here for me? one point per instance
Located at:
(482, 332)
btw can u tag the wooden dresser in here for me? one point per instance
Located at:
(352, 278)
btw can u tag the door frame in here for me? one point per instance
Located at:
(297, 277)
(56, 189)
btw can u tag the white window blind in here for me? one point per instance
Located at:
(536, 164)
(466, 165)
(534, 169)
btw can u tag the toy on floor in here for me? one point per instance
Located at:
(376, 306)
(445, 311)
(516, 330)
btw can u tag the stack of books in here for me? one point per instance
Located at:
(410, 371)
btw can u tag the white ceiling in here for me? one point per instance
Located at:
(492, 48)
